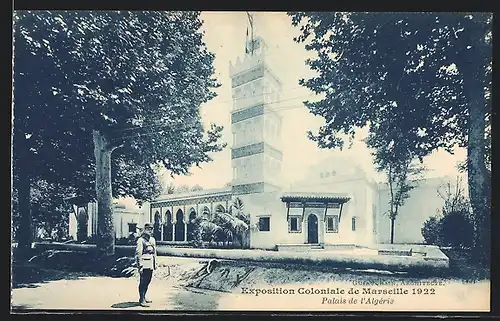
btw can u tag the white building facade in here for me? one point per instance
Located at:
(127, 219)
(335, 205)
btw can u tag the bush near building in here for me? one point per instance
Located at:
(229, 229)
(452, 228)
(453, 225)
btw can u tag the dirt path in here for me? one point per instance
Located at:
(105, 293)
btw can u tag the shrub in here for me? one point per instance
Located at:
(457, 229)
(196, 236)
(231, 228)
(453, 225)
(431, 231)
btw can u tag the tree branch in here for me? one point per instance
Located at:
(116, 147)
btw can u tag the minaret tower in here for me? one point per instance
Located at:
(256, 124)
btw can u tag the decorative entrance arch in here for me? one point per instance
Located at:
(312, 229)
(82, 225)
(157, 226)
(190, 225)
(168, 229)
(179, 226)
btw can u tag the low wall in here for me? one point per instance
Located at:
(341, 246)
(175, 244)
(125, 250)
(425, 250)
(336, 260)
(294, 247)
(433, 253)
(308, 247)
(402, 252)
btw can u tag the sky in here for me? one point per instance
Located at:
(225, 34)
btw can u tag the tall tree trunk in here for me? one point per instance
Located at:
(475, 81)
(105, 226)
(477, 173)
(392, 230)
(25, 231)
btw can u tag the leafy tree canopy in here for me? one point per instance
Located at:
(422, 76)
(138, 77)
(379, 69)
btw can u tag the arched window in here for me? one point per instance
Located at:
(168, 229)
(206, 213)
(157, 226)
(179, 226)
(220, 209)
(191, 224)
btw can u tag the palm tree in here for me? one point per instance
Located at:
(205, 230)
(209, 231)
(224, 225)
(235, 223)
(237, 210)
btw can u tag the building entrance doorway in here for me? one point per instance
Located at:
(312, 229)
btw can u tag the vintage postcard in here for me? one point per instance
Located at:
(251, 161)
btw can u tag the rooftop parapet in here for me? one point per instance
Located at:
(249, 61)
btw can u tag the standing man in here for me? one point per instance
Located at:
(145, 256)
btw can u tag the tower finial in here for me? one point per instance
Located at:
(251, 42)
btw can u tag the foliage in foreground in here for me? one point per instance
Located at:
(100, 98)
(425, 75)
(231, 226)
(453, 225)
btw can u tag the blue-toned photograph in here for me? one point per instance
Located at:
(251, 161)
